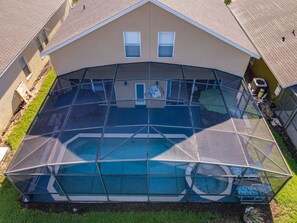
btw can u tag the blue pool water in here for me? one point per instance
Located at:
(118, 175)
(208, 179)
(211, 185)
(86, 148)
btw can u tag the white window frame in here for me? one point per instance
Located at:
(173, 49)
(139, 33)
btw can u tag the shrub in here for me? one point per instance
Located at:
(19, 131)
(227, 2)
(252, 215)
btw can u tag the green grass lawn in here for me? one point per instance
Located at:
(10, 210)
(18, 133)
(287, 198)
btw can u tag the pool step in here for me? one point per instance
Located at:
(79, 144)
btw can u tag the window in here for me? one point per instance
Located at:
(24, 66)
(132, 44)
(39, 45)
(166, 44)
(44, 37)
(176, 92)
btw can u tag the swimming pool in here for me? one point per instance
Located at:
(121, 171)
(210, 184)
(210, 179)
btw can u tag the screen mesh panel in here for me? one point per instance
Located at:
(148, 132)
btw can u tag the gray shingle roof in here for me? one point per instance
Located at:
(215, 16)
(266, 22)
(212, 15)
(79, 20)
(20, 21)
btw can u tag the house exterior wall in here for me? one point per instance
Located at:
(13, 76)
(193, 46)
(124, 94)
(260, 69)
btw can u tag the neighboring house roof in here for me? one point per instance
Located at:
(266, 22)
(211, 16)
(20, 21)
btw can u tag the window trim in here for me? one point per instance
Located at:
(44, 37)
(27, 65)
(125, 53)
(29, 76)
(173, 49)
(40, 48)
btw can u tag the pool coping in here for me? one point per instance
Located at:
(225, 193)
(103, 198)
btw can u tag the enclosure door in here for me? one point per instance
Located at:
(140, 94)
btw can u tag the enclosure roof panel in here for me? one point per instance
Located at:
(91, 115)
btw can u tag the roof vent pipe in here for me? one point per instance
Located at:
(84, 7)
(294, 32)
(283, 39)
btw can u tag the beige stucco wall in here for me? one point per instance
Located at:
(124, 93)
(13, 76)
(193, 46)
